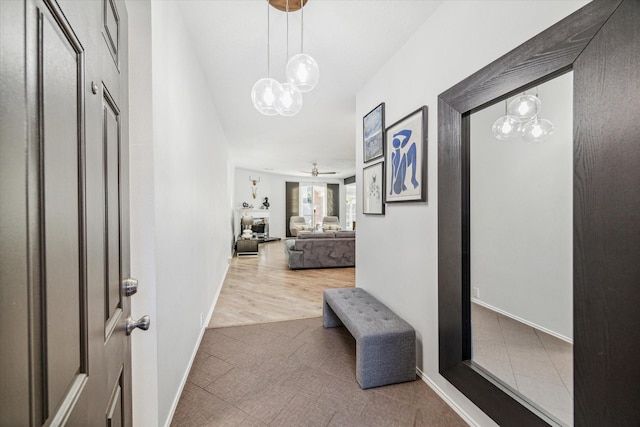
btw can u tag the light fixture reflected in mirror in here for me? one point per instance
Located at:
(507, 126)
(521, 119)
(537, 130)
(525, 107)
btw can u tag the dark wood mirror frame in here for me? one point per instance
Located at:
(601, 44)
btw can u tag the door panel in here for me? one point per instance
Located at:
(68, 229)
(115, 415)
(111, 144)
(61, 233)
(111, 32)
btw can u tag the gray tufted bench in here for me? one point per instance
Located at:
(385, 344)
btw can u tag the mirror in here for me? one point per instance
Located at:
(521, 262)
(596, 43)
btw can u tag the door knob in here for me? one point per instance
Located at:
(142, 323)
(129, 287)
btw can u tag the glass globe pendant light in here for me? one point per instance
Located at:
(525, 107)
(289, 102)
(265, 94)
(537, 130)
(302, 70)
(266, 91)
(507, 126)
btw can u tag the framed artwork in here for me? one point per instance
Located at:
(406, 154)
(373, 189)
(373, 134)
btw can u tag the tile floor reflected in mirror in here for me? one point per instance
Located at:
(538, 365)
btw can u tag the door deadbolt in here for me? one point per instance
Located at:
(129, 287)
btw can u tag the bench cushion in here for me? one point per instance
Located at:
(362, 314)
(385, 344)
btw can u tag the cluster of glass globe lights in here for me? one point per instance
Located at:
(271, 97)
(521, 120)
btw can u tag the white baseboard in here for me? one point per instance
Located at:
(203, 328)
(458, 410)
(215, 299)
(525, 321)
(183, 382)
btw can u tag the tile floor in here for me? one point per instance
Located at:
(295, 373)
(536, 364)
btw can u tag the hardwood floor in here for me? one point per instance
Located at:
(260, 289)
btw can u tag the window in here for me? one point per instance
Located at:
(313, 203)
(351, 206)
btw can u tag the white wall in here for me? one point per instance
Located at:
(181, 215)
(397, 254)
(144, 346)
(522, 215)
(273, 186)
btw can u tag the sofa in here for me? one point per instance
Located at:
(321, 250)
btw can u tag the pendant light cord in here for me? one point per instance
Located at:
(302, 27)
(287, 58)
(268, 44)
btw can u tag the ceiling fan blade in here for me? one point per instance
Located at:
(327, 173)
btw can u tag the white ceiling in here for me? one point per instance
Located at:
(350, 40)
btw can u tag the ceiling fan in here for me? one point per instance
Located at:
(316, 172)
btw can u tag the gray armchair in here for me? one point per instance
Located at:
(331, 223)
(297, 223)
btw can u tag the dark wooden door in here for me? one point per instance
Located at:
(67, 192)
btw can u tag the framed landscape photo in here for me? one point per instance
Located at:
(373, 189)
(406, 154)
(373, 134)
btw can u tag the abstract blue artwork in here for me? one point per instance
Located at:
(373, 134)
(406, 173)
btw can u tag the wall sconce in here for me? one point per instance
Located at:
(254, 186)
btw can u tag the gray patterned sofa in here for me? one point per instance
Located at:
(321, 250)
